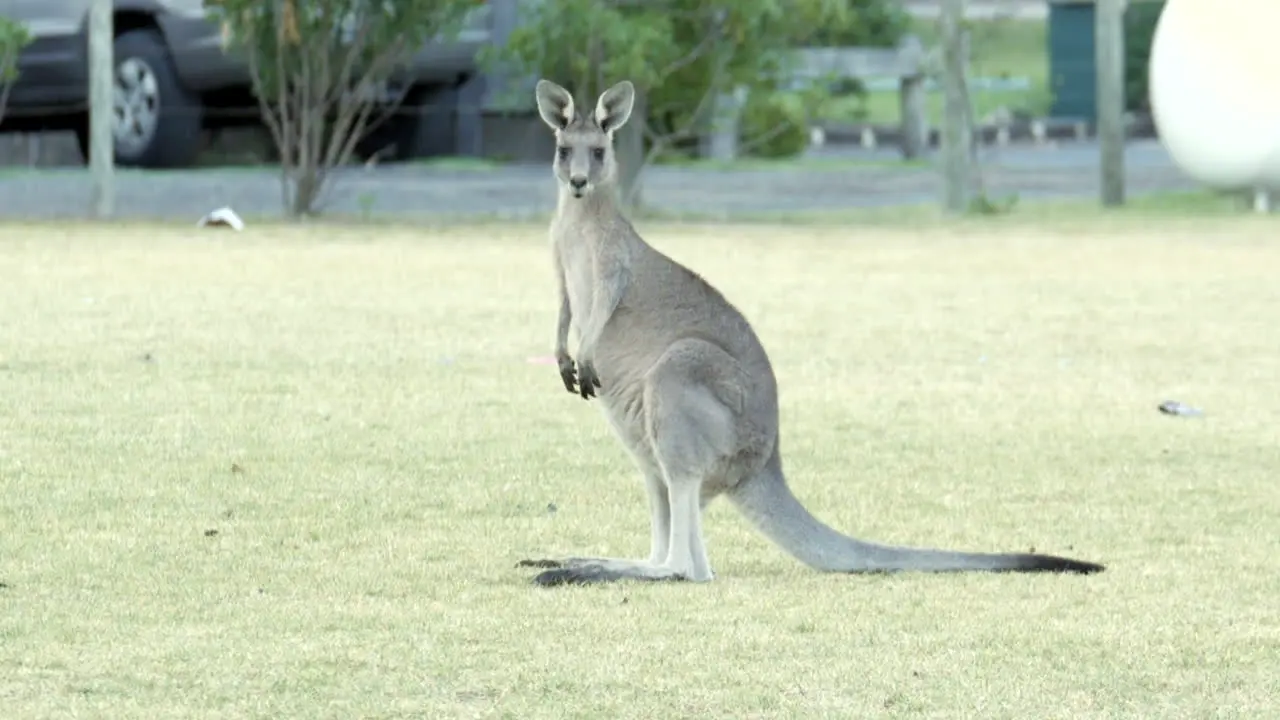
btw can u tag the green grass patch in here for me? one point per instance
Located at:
(1000, 48)
(1195, 207)
(287, 473)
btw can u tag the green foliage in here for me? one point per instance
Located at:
(336, 40)
(1140, 27)
(865, 23)
(318, 67)
(13, 38)
(775, 125)
(679, 53)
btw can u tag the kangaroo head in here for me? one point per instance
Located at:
(584, 142)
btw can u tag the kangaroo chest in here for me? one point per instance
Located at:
(579, 265)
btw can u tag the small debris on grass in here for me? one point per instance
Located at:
(1173, 407)
(210, 532)
(5, 586)
(236, 469)
(222, 217)
(551, 508)
(147, 357)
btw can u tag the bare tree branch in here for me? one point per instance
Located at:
(765, 137)
(326, 84)
(353, 116)
(708, 40)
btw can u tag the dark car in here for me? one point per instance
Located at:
(174, 80)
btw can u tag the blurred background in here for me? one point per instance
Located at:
(749, 105)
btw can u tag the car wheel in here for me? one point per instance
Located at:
(156, 121)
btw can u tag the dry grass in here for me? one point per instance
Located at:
(286, 474)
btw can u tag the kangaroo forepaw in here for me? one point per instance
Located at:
(568, 374)
(588, 380)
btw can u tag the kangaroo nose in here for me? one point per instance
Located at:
(578, 182)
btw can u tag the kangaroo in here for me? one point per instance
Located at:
(685, 383)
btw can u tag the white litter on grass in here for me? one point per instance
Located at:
(222, 217)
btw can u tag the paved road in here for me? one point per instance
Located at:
(424, 191)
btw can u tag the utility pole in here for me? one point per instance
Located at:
(101, 110)
(957, 133)
(1109, 50)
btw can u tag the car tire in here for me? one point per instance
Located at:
(166, 118)
(423, 126)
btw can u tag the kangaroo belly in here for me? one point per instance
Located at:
(579, 285)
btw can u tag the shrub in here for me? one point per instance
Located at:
(315, 67)
(865, 23)
(774, 125)
(13, 38)
(677, 52)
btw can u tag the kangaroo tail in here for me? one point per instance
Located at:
(770, 506)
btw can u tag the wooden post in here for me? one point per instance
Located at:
(915, 126)
(957, 134)
(911, 99)
(1261, 200)
(101, 112)
(1109, 47)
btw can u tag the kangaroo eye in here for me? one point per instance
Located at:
(598, 153)
(562, 152)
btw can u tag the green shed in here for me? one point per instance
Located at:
(1073, 65)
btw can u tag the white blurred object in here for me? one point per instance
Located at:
(222, 217)
(1213, 70)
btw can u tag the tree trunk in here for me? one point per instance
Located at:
(957, 132)
(630, 150)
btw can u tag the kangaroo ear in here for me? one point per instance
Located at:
(555, 104)
(614, 106)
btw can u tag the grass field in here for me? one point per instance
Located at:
(287, 474)
(1000, 48)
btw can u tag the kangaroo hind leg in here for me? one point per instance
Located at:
(597, 569)
(689, 429)
(692, 423)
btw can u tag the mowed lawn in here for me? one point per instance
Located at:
(288, 473)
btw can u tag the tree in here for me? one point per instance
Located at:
(680, 54)
(320, 71)
(13, 38)
(865, 23)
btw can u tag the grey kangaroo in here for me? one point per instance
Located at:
(684, 381)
